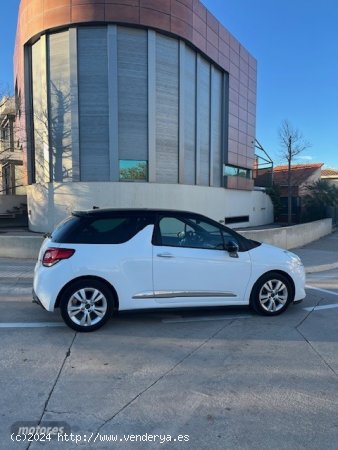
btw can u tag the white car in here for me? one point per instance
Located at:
(100, 261)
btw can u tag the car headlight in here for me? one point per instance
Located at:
(295, 258)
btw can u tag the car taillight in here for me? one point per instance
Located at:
(54, 255)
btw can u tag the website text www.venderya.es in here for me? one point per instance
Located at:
(100, 437)
(146, 437)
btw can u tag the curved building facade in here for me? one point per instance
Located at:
(135, 103)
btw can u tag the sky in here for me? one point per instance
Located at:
(295, 43)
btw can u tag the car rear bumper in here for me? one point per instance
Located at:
(36, 299)
(49, 281)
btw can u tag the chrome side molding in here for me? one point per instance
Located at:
(175, 294)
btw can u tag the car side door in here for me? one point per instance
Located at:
(191, 265)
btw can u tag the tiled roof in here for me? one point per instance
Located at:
(299, 173)
(329, 173)
(298, 167)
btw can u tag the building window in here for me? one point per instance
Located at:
(234, 171)
(236, 219)
(5, 134)
(8, 179)
(133, 170)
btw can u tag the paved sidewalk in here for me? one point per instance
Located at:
(321, 255)
(16, 276)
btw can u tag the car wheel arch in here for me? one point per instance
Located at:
(280, 272)
(90, 277)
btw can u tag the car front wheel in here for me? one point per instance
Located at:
(86, 305)
(271, 294)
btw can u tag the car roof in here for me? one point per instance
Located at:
(107, 211)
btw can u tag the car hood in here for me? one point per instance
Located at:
(273, 256)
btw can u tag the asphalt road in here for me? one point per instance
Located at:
(222, 378)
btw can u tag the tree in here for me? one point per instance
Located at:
(274, 193)
(292, 143)
(320, 195)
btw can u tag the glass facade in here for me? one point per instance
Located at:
(93, 105)
(39, 113)
(59, 101)
(189, 97)
(233, 171)
(167, 112)
(103, 96)
(132, 93)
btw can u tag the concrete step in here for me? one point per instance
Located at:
(7, 215)
(10, 221)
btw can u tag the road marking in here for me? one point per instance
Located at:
(317, 308)
(321, 290)
(31, 324)
(205, 319)
(318, 276)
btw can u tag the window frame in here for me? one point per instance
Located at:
(157, 238)
(238, 171)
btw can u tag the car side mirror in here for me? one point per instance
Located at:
(232, 247)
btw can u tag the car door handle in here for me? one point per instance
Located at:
(165, 255)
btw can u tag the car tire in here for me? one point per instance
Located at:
(86, 305)
(271, 294)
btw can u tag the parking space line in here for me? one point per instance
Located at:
(322, 290)
(205, 319)
(317, 308)
(31, 324)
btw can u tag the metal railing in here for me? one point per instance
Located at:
(263, 167)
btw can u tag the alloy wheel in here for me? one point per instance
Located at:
(87, 307)
(273, 295)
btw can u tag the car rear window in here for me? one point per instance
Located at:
(65, 228)
(99, 230)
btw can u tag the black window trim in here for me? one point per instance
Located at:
(157, 241)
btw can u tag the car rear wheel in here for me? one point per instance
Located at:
(271, 294)
(86, 305)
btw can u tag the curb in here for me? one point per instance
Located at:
(322, 268)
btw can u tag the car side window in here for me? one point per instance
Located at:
(115, 230)
(171, 231)
(190, 232)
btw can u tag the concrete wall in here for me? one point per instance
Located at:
(26, 247)
(49, 203)
(291, 237)
(8, 202)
